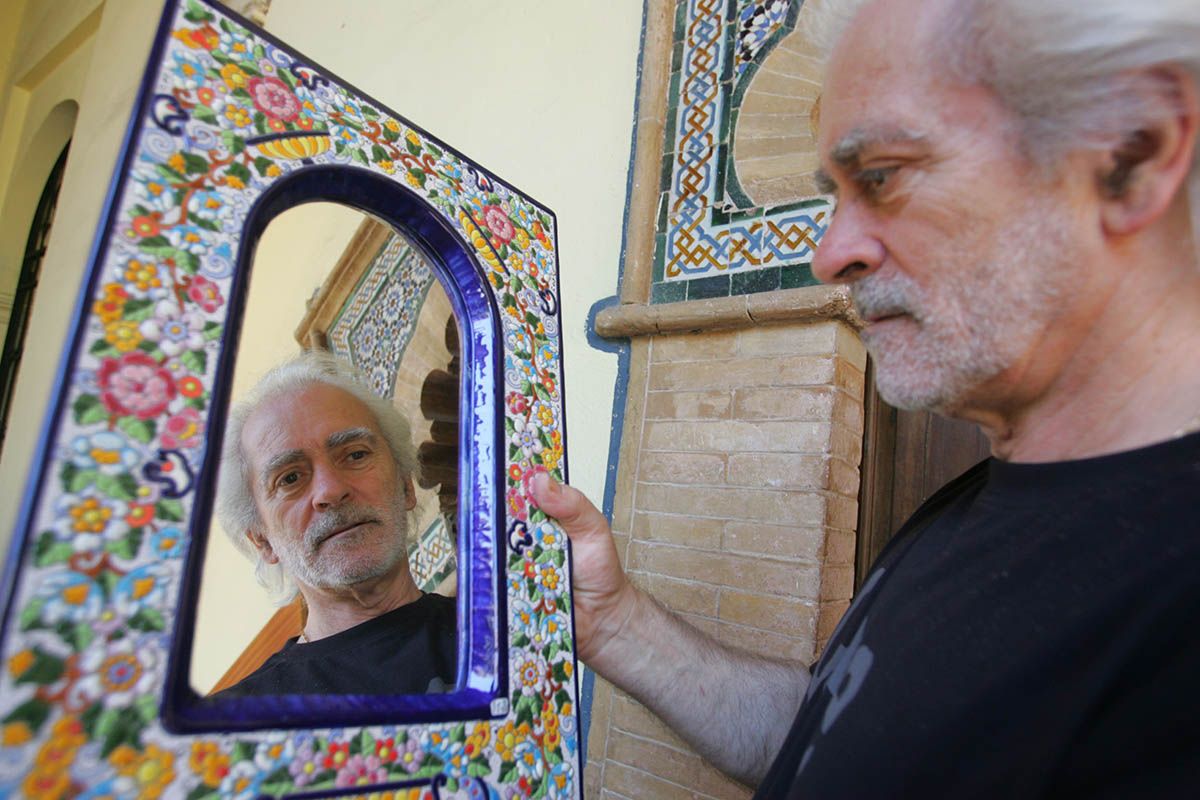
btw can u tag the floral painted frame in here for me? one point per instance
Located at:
(231, 127)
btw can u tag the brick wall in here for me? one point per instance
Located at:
(736, 506)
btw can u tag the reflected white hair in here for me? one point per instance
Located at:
(1075, 74)
(236, 509)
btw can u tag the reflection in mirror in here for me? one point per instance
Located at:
(378, 305)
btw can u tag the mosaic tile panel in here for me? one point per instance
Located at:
(227, 115)
(705, 229)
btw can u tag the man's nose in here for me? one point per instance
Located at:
(848, 250)
(330, 489)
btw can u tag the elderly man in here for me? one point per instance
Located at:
(1015, 225)
(316, 484)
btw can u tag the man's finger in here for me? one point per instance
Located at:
(569, 506)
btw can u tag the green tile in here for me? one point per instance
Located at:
(668, 292)
(704, 288)
(757, 280)
(796, 275)
(660, 251)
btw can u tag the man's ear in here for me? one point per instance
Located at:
(1147, 172)
(410, 494)
(262, 546)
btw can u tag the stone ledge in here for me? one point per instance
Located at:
(806, 304)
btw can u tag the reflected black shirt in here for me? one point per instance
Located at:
(409, 650)
(1033, 631)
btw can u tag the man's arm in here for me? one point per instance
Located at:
(733, 707)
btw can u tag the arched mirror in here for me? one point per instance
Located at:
(262, 206)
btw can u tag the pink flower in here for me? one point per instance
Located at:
(205, 293)
(516, 503)
(498, 223)
(517, 403)
(360, 771)
(134, 384)
(183, 429)
(274, 98)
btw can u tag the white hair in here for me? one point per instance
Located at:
(236, 508)
(1075, 73)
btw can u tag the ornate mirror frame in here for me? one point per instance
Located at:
(230, 128)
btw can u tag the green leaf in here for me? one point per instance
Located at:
(433, 150)
(240, 171)
(242, 751)
(513, 452)
(233, 143)
(49, 551)
(366, 743)
(168, 173)
(153, 242)
(508, 773)
(260, 121)
(126, 547)
(414, 149)
(196, 13)
(193, 163)
(195, 360)
(203, 792)
(139, 309)
(428, 771)
(359, 156)
(123, 727)
(220, 57)
(32, 712)
(520, 640)
(207, 224)
(147, 707)
(250, 68)
(122, 486)
(31, 615)
(87, 409)
(419, 175)
(541, 392)
(189, 262)
(81, 637)
(286, 76)
(142, 430)
(262, 164)
(378, 153)
(206, 115)
(169, 509)
(260, 52)
(212, 331)
(44, 670)
(102, 349)
(198, 403)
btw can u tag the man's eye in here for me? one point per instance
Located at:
(289, 478)
(358, 455)
(873, 180)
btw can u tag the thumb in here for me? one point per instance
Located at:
(577, 515)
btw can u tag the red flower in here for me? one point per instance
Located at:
(498, 223)
(385, 750)
(516, 503)
(135, 385)
(190, 386)
(139, 514)
(517, 403)
(146, 225)
(205, 293)
(338, 755)
(273, 97)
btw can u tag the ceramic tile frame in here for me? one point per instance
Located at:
(497, 256)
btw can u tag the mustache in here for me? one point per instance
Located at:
(335, 520)
(876, 296)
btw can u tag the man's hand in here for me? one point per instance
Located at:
(604, 597)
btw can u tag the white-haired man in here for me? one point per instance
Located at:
(1015, 225)
(316, 485)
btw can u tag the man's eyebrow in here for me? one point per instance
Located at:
(847, 152)
(825, 183)
(340, 438)
(278, 462)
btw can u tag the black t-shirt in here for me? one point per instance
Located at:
(1033, 631)
(409, 650)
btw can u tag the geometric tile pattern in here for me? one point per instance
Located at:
(708, 244)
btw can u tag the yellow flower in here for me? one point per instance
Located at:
(389, 168)
(15, 733)
(551, 457)
(234, 182)
(392, 126)
(274, 171)
(90, 516)
(413, 139)
(508, 737)
(237, 115)
(153, 770)
(19, 663)
(177, 163)
(413, 181)
(143, 274)
(66, 737)
(233, 76)
(46, 783)
(123, 334)
(207, 761)
(522, 239)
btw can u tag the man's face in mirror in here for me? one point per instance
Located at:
(331, 504)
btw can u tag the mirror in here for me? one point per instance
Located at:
(329, 277)
(232, 130)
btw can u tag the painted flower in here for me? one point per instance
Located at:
(239, 115)
(549, 578)
(337, 755)
(551, 456)
(477, 741)
(552, 630)
(190, 238)
(143, 274)
(174, 330)
(51, 774)
(208, 761)
(517, 340)
(155, 195)
(522, 239)
(411, 756)
(168, 542)
(243, 782)
(522, 616)
(139, 514)
(203, 38)
(516, 502)
(134, 385)
(498, 223)
(69, 597)
(107, 451)
(548, 536)
(508, 737)
(525, 436)
(545, 414)
(123, 335)
(561, 781)
(152, 769)
(87, 514)
(205, 293)
(190, 71)
(528, 759)
(531, 675)
(273, 97)
(275, 751)
(385, 749)
(190, 386)
(360, 771)
(117, 673)
(184, 429)
(306, 765)
(111, 305)
(517, 403)
(208, 205)
(144, 588)
(234, 76)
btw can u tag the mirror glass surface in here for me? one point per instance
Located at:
(326, 276)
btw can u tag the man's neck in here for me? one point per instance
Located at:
(332, 611)
(1134, 379)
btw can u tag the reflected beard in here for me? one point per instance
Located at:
(364, 555)
(972, 324)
